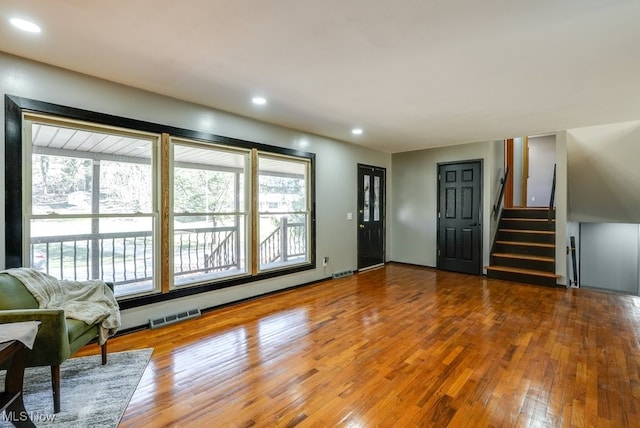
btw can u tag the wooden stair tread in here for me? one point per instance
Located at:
(523, 226)
(540, 232)
(528, 244)
(525, 257)
(528, 219)
(527, 208)
(531, 272)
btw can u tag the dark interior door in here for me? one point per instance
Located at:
(371, 216)
(459, 217)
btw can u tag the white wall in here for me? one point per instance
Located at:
(336, 166)
(415, 192)
(518, 172)
(542, 157)
(604, 200)
(562, 231)
(495, 176)
(604, 173)
(610, 254)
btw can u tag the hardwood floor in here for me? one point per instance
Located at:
(400, 346)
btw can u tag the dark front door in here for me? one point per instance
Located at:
(459, 217)
(371, 213)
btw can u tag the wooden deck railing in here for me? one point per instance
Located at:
(286, 241)
(127, 257)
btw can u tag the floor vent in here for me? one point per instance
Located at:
(172, 319)
(343, 273)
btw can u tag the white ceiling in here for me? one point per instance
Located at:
(412, 73)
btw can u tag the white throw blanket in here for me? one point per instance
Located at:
(89, 301)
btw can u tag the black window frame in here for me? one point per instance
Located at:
(15, 106)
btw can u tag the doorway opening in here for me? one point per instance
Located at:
(531, 161)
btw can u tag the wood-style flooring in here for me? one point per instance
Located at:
(400, 346)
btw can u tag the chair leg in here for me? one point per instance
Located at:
(55, 385)
(103, 351)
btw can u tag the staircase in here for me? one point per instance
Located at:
(525, 249)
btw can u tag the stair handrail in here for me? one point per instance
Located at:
(498, 204)
(574, 262)
(552, 197)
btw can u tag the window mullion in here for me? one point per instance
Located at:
(95, 222)
(27, 191)
(166, 229)
(254, 213)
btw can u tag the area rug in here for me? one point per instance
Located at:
(91, 395)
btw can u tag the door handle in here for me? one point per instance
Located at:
(362, 226)
(474, 224)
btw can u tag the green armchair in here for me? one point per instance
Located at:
(58, 337)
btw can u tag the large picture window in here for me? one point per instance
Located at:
(209, 212)
(92, 210)
(160, 212)
(283, 210)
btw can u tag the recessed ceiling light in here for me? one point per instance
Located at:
(356, 131)
(25, 25)
(259, 100)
